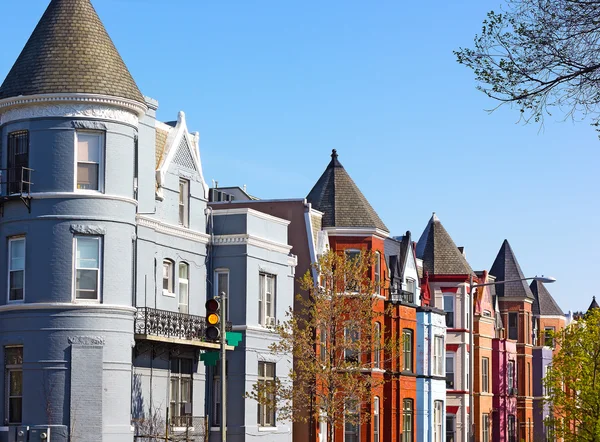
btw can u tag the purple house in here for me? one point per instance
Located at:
(542, 359)
(504, 387)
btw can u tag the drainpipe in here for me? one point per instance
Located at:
(471, 361)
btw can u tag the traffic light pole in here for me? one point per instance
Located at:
(224, 301)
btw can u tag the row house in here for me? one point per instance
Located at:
(112, 252)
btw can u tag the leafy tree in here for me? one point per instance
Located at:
(573, 382)
(540, 55)
(332, 338)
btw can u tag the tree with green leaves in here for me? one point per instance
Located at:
(573, 381)
(333, 337)
(542, 56)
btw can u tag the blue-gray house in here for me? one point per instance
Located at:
(111, 252)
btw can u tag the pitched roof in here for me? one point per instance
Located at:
(341, 201)
(593, 305)
(70, 51)
(395, 250)
(439, 253)
(543, 302)
(506, 268)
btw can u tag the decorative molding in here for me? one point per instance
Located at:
(87, 229)
(69, 195)
(250, 240)
(170, 229)
(71, 106)
(67, 306)
(247, 211)
(86, 340)
(357, 231)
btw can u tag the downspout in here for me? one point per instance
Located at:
(471, 360)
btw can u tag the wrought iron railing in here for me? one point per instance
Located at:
(401, 296)
(16, 181)
(168, 324)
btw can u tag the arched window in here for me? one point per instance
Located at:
(184, 299)
(168, 269)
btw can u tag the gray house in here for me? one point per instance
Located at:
(110, 254)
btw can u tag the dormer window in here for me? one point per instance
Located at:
(89, 173)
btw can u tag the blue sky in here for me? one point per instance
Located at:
(273, 86)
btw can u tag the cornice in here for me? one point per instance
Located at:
(250, 240)
(91, 106)
(247, 211)
(66, 306)
(357, 231)
(170, 229)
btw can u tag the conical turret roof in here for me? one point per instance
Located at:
(70, 51)
(593, 305)
(543, 302)
(506, 268)
(341, 201)
(439, 253)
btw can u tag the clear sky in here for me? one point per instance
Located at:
(273, 86)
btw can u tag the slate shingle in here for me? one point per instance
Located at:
(506, 268)
(543, 303)
(341, 201)
(439, 253)
(593, 305)
(70, 51)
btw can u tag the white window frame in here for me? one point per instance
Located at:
(9, 369)
(438, 412)
(323, 436)
(377, 272)
(170, 290)
(377, 345)
(100, 275)
(183, 202)
(485, 375)
(101, 160)
(438, 355)
(407, 332)
(183, 283)
(408, 426)
(323, 344)
(218, 289)
(376, 420)
(547, 329)
(266, 309)
(11, 241)
(178, 375)
(266, 416)
(351, 334)
(350, 255)
(511, 376)
(485, 427)
(450, 364)
(453, 311)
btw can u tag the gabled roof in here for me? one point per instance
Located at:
(70, 51)
(396, 252)
(439, 253)
(543, 302)
(593, 305)
(341, 201)
(506, 268)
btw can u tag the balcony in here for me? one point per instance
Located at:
(172, 327)
(16, 183)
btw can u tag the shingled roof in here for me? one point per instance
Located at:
(506, 268)
(70, 51)
(341, 201)
(593, 305)
(439, 253)
(543, 302)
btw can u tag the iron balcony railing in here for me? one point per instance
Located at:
(168, 324)
(16, 181)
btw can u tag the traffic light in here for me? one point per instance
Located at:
(213, 320)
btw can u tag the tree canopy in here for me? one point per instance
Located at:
(542, 56)
(573, 381)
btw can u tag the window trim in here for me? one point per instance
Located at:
(408, 412)
(485, 375)
(11, 240)
(377, 349)
(356, 425)
(262, 298)
(453, 311)
(179, 375)
(183, 281)
(351, 332)
(101, 161)
(9, 368)
(407, 332)
(15, 136)
(100, 277)
(376, 420)
(438, 359)
(451, 355)
(511, 376)
(485, 427)
(516, 327)
(185, 222)
(438, 414)
(166, 291)
(265, 411)
(552, 329)
(377, 273)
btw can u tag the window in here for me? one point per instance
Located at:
(351, 422)
(266, 379)
(449, 309)
(378, 273)
(89, 161)
(351, 344)
(485, 427)
(438, 411)
(16, 269)
(407, 347)
(376, 421)
(266, 300)
(13, 367)
(18, 162)
(184, 270)
(407, 420)
(87, 267)
(377, 345)
(485, 367)
(549, 336)
(222, 287)
(450, 427)
(450, 371)
(351, 256)
(323, 344)
(438, 355)
(528, 374)
(512, 428)
(184, 202)
(410, 290)
(181, 391)
(216, 394)
(510, 373)
(513, 326)
(323, 427)
(547, 389)
(168, 276)
(468, 370)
